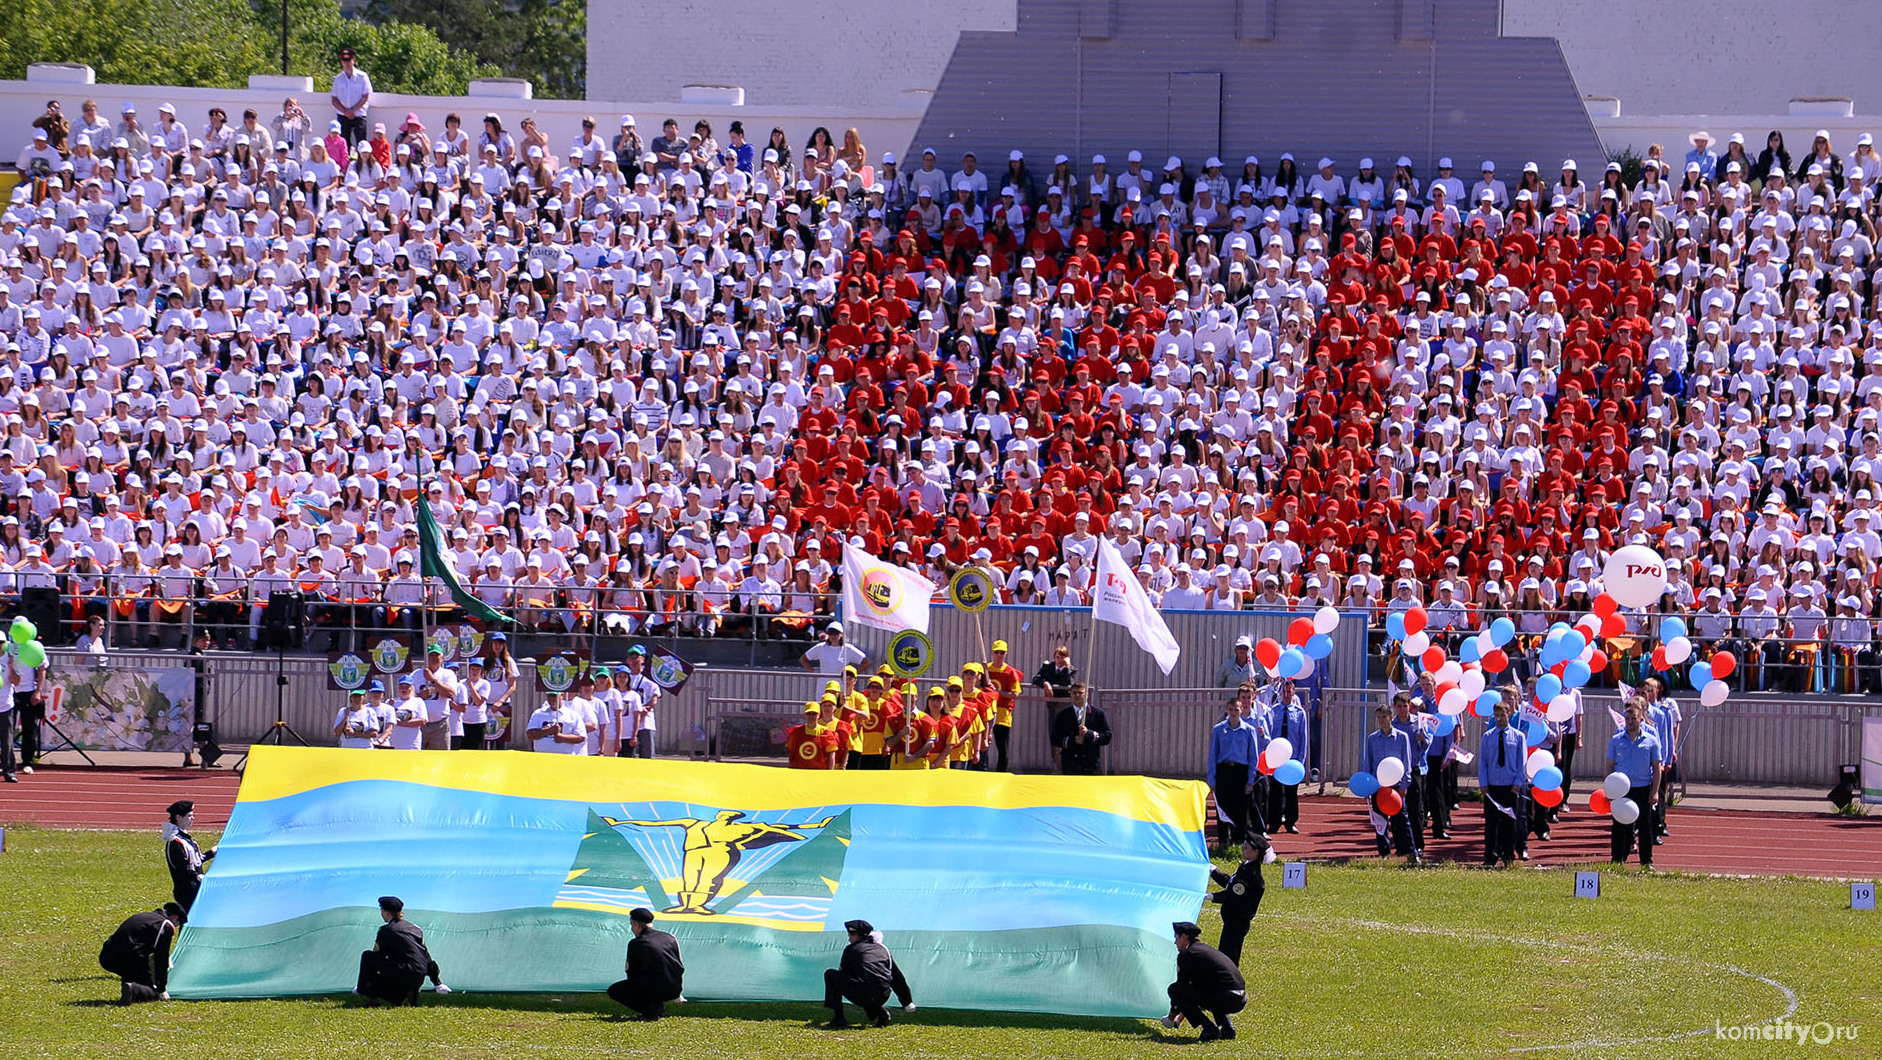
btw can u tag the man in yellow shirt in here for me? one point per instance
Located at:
(1006, 681)
(912, 733)
(872, 724)
(980, 697)
(964, 749)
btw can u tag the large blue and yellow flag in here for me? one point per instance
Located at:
(1042, 894)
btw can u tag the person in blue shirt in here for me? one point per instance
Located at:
(1235, 745)
(1664, 719)
(1420, 729)
(1382, 743)
(1287, 717)
(1500, 776)
(1440, 774)
(1636, 752)
(1703, 156)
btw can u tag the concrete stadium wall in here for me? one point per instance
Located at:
(795, 53)
(884, 126)
(1702, 57)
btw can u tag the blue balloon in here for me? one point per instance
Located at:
(1502, 631)
(1486, 703)
(1571, 645)
(1290, 772)
(1701, 675)
(1469, 652)
(1447, 724)
(1672, 626)
(1575, 674)
(1395, 625)
(1547, 778)
(1558, 627)
(1318, 646)
(1548, 686)
(1289, 663)
(1362, 784)
(1534, 732)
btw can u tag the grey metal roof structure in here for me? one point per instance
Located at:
(1343, 78)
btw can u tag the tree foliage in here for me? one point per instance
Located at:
(219, 43)
(545, 41)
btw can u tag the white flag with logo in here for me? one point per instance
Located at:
(883, 595)
(1117, 596)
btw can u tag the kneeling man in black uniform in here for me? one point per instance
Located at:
(866, 975)
(398, 963)
(654, 969)
(1207, 984)
(138, 953)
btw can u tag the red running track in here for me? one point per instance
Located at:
(1333, 828)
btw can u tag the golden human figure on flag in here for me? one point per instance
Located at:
(712, 849)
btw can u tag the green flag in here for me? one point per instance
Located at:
(432, 564)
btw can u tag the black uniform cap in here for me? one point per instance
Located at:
(1184, 927)
(641, 915)
(181, 807)
(861, 927)
(391, 904)
(175, 912)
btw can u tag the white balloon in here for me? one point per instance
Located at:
(1678, 650)
(1416, 643)
(1451, 673)
(1326, 620)
(1626, 811)
(1390, 772)
(1562, 707)
(1714, 692)
(1306, 668)
(1485, 644)
(1471, 684)
(1615, 785)
(1280, 749)
(1539, 760)
(1634, 576)
(1453, 702)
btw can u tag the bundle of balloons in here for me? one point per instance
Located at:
(1309, 640)
(1568, 657)
(1611, 798)
(25, 637)
(1384, 783)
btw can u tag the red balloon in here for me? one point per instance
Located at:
(1415, 620)
(1496, 660)
(1598, 802)
(1613, 626)
(1659, 658)
(1597, 662)
(1390, 801)
(1433, 657)
(1261, 763)
(1559, 668)
(1268, 652)
(1551, 797)
(1300, 631)
(1604, 605)
(1723, 663)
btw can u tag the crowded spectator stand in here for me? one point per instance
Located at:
(657, 390)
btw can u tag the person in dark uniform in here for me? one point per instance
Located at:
(138, 953)
(1054, 677)
(866, 975)
(398, 963)
(1240, 896)
(186, 859)
(1208, 984)
(654, 969)
(1079, 735)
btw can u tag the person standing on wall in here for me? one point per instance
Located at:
(351, 97)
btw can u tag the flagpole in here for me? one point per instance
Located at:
(1091, 651)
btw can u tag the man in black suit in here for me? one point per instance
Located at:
(1080, 732)
(1240, 896)
(1207, 984)
(138, 953)
(655, 973)
(866, 975)
(396, 966)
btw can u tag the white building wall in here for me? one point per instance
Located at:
(785, 53)
(1705, 57)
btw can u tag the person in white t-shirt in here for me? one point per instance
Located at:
(595, 723)
(641, 727)
(556, 729)
(471, 708)
(409, 717)
(356, 724)
(628, 708)
(437, 687)
(830, 657)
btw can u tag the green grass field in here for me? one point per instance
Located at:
(1368, 961)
